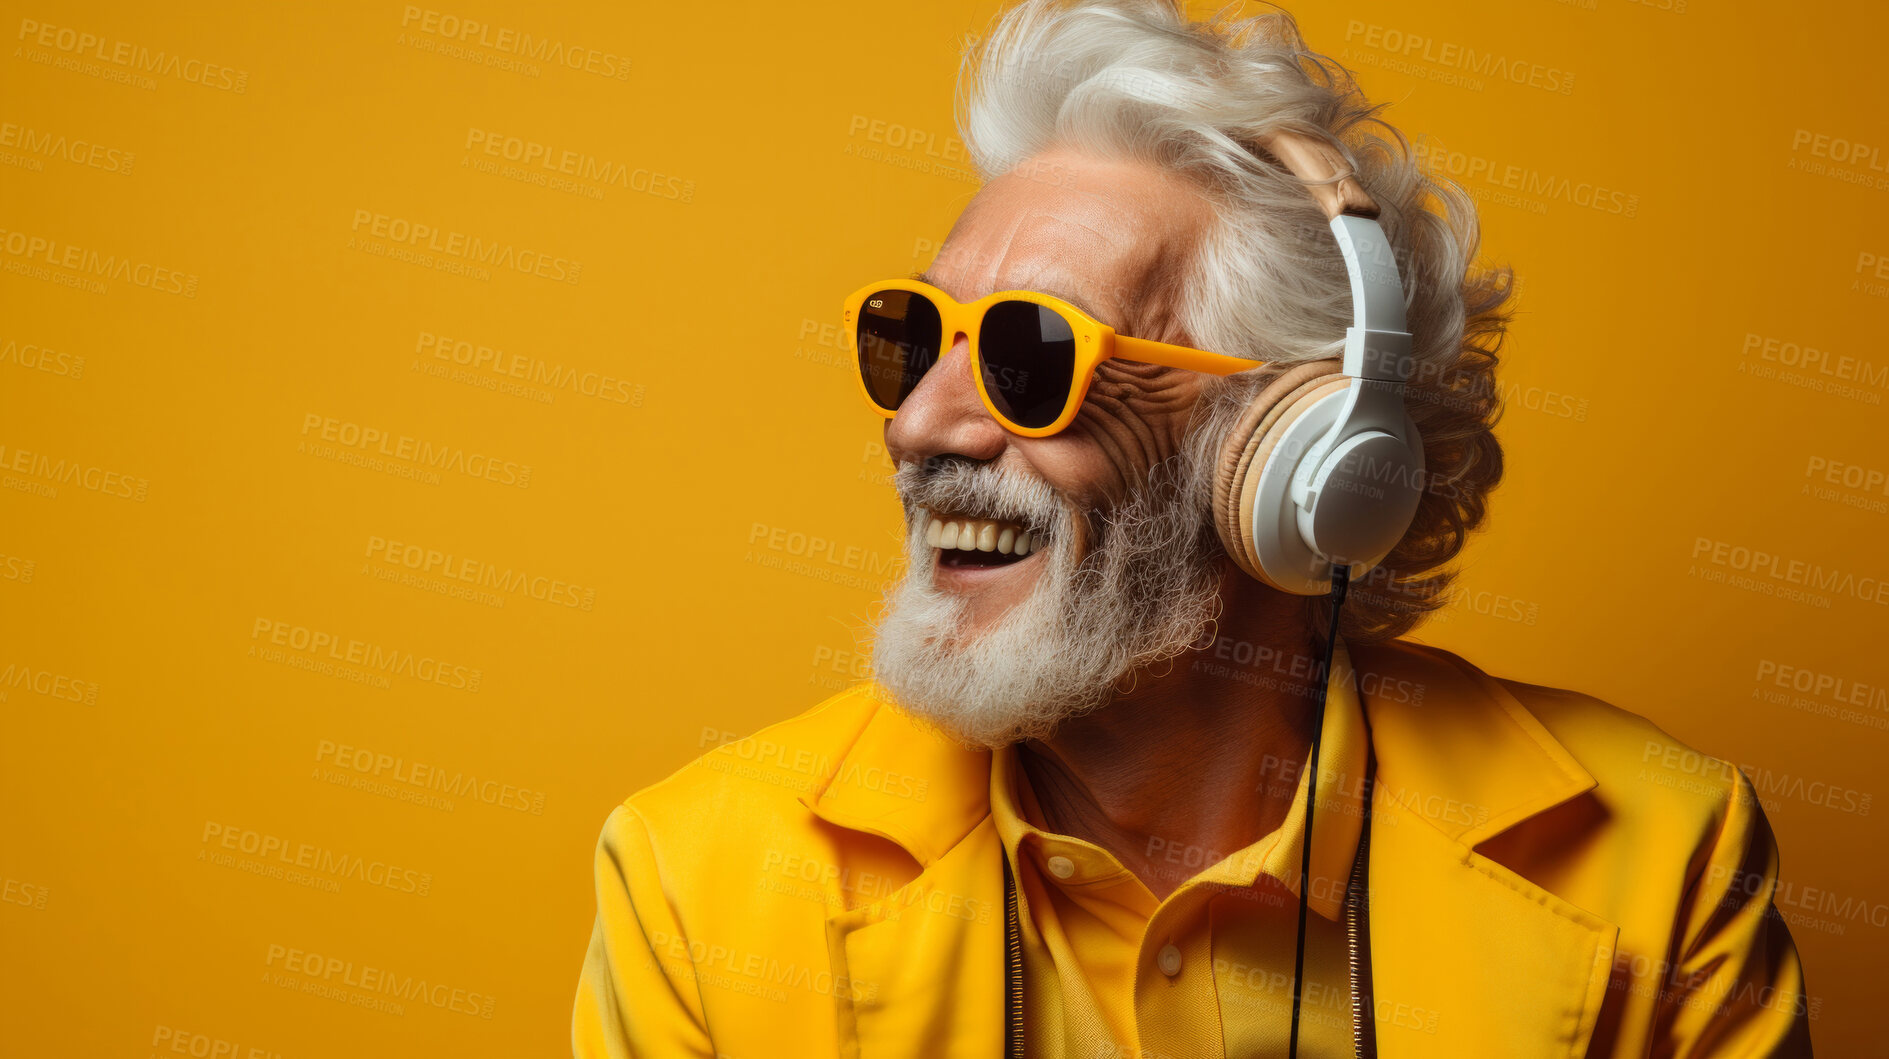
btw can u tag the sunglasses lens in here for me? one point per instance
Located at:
(1029, 356)
(898, 343)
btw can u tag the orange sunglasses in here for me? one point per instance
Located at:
(1032, 354)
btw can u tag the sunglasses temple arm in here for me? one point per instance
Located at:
(1150, 352)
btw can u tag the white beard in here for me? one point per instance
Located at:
(1144, 593)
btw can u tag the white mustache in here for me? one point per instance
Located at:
(981, 490)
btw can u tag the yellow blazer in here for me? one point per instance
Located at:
(1551, 876)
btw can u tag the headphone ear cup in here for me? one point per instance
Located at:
(1243, 454)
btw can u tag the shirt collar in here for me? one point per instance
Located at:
(1454, 748)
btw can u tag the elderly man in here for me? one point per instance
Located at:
(1124, 677)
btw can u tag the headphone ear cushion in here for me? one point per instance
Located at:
(1243, 455)
(1298, 403)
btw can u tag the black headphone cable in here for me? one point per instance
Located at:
(1340, 579)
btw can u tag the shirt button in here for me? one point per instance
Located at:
(1169, 960)
(1062, 867)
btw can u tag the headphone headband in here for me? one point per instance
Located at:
(1316, 162)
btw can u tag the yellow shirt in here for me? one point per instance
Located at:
(1112, 973)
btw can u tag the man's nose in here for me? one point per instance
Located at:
(944, 415)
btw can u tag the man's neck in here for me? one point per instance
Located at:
(1201, 759)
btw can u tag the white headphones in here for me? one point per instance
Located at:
(1326, 466)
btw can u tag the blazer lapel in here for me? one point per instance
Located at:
(925, 965)
(920, 971)
(1468, 957)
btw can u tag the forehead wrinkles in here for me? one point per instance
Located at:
(1056, 248)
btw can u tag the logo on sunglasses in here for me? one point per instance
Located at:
(877, 303)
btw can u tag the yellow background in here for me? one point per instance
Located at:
(751, 163)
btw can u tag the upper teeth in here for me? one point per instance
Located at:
(977, 535)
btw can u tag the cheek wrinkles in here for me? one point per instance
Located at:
(1135, 414)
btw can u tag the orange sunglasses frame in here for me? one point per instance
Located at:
(1095, 343)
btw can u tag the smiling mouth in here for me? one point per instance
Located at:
(965, 542)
